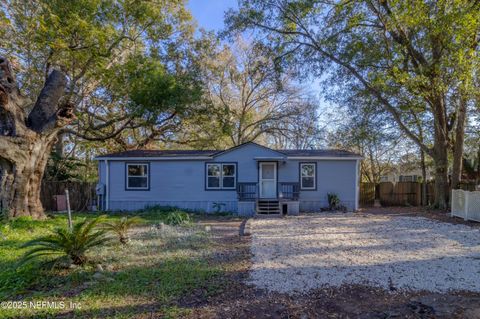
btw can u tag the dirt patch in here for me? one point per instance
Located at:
(236, 299)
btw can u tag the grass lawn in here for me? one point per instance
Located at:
(153, 270)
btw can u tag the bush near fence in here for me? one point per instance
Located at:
(82, 194)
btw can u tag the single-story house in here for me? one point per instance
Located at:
(245, 179)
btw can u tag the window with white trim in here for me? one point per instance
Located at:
(308, 176)
(137, 176)
(221, 176)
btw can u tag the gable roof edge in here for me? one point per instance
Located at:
(244, 144)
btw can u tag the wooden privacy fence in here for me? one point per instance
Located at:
(81, 194)
(398, 194)
(401, 193)
(367, 194)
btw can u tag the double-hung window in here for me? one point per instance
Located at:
(137, 176)
(221, 176)
(308, 176)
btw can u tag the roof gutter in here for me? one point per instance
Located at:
(351, 158)
(199, 158)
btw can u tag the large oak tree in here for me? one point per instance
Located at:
(92, 69)
(418, 56)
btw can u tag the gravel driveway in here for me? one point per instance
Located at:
(296, 254)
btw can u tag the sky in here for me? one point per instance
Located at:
(209, 13)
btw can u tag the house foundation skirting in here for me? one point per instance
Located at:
(242, 208)
(200, 206)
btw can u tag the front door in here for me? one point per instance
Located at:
(268, 179)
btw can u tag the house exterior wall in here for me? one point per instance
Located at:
(182, 183)
(333, 176)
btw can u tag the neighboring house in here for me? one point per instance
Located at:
(245, 179)
(399, 175)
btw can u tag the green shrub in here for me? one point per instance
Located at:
(157, 209)
(218, 207)
(3, 216)
(121, 227)
(333, 201)
(66, 245)
(177, 217)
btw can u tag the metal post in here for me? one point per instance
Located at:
(69, 212)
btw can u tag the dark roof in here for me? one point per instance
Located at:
(320, 153)
(161, 153)
(196, 153)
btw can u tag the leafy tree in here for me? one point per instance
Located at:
(65, 54)
(246, 99)
(417, 56)
(368, 134)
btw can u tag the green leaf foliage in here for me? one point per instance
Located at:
(65, 244)
(121, 227)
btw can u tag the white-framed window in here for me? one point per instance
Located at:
(137, 176)
(221, 176)
(308, 176)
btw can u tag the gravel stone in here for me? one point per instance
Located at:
(297, 254)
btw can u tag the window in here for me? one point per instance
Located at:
(221, 176)
(407, 178)
(308, 176)
(383, 178)
(137, 176)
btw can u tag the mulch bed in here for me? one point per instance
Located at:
(235, 299)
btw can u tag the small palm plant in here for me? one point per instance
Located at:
(65, 244)
(121, 227)
(177, 217)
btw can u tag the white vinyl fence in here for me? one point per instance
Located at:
(466, 204)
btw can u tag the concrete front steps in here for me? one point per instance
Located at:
(268, 207)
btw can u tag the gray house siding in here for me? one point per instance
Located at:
(182, 183)
(172, 183)
(333, 176)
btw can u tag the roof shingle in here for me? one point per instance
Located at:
(196, 153)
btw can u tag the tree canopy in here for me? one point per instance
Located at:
(417, 57)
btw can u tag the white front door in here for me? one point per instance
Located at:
(268, 180)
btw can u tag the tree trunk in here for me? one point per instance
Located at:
(424, 178)
(458, 145)
(21, 177)
(27, 141)
(440, 152)
(441, 181)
